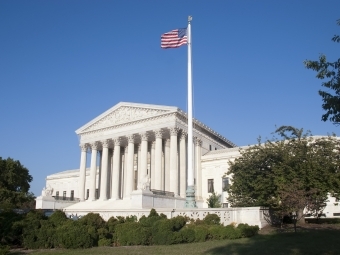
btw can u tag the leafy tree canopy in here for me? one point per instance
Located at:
(14, 184)
(265, 170)
(214, 200)
(331, 72)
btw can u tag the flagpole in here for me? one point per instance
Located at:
(190, 193)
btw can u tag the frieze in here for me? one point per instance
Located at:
(124, 114)
(148, 122)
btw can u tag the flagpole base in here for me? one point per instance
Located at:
(190, 201)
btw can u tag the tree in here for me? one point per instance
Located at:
(214, 200)
(331, 72)
(264, 171)
(14, 184)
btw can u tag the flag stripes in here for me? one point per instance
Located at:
(174, 39)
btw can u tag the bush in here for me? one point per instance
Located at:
(58, 218)
(10, 230)
(105, 242)
(217, 232)
(165, 231)
(188, 234)
(212, 219)
(31, 225)
(73, 235)
(132, 233)
(201, 233)
(151, 219)
(92, 219)
(230, 232)
(112, 223)
(4, 249)
(247, 231)
(46, 235)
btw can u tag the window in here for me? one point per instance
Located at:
(72, 195)
(87, 194)
(210, 185)
(97, 194)
(64, 195)
(336, 214)
(210, 147)
(57, 195)
(225, 183)
(224, 205)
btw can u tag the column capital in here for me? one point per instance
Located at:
(131, 138)
(184, 135)
(174, 131)
(144, 136)
(198, 142)
(158, 133)
(83, 146)
(94, 145)
(117, 141)
(105, 143)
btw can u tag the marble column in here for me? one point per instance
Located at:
(115, 170)
(144, 158)
(166, 178)
(124, 177)
(198, 151)
(152, 165)
(183, 164)
(158, 159)
(173, 161)
(104, 170)
(130, 170)
(138, 176)
(93, 171)
(82, 173)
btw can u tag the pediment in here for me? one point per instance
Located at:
(122, 114)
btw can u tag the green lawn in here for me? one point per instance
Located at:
(318, 242)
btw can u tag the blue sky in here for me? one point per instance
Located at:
(62, 63)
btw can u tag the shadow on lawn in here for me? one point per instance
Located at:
(318, 242)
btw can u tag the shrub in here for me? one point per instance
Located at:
(188, 234)
(58, 218)
(151, 219)
(165, 231)
(31, 225)
(177, 223)
(105, 242)
(212, 219)
(112, 223)
(132, 233)
(217, 232)
(4, 249)
(231, 232)
(10, 230)
(247, 231)
(201, 233)
(46, 235)
(73, 235)
(92, 219)
(153, 213)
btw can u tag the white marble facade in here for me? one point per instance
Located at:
(136, 147)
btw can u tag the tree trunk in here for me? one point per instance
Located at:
(301, 218)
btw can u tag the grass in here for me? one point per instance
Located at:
(318, 242)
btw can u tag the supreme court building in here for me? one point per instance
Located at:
(137, 147)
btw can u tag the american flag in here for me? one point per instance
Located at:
(174, 39)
